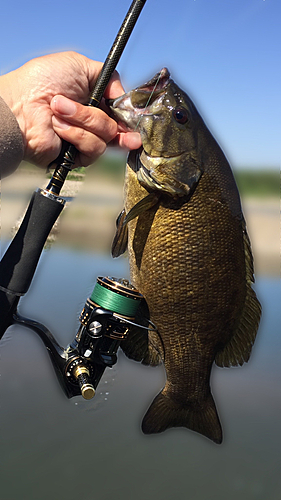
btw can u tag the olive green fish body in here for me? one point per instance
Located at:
(190, 257)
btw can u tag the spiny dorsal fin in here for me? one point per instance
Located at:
(237, 351)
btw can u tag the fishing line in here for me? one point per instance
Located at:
(148, 100)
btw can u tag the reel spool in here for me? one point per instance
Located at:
(116, 295)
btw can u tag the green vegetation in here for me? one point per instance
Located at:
(265, 183)
(77, 174)
(106, 166)
(111, 166)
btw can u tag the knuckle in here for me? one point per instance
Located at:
(97, 148)
(90, 145)
(113, 129)
(99, 123)
(81, 135)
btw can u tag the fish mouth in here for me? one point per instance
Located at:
(157, 83)
(134, 104)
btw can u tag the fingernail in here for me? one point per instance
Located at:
(60, 123)
(64, 106)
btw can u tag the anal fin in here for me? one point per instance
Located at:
(142, 344)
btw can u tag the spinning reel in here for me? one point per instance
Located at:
(105, 321)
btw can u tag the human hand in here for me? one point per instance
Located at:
(46, 96)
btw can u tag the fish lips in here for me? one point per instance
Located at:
(130, 107)
(122, 109)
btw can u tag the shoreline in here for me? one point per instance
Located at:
(88, 221)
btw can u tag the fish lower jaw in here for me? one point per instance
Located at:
(130, 115)
(122, 103)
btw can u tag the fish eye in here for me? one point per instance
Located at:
(180, 115)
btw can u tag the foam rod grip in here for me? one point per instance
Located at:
(18, 264)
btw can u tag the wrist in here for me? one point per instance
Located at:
(6, 90)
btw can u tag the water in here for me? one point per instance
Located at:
(52, 447)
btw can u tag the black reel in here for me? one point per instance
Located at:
(106, 319)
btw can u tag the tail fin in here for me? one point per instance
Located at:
(164, 413)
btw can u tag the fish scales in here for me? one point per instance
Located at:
(190, 257)
(204, 297)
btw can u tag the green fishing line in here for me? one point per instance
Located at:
(114, 302)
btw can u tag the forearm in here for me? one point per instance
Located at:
(11, 142)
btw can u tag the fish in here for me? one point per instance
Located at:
(189, 255)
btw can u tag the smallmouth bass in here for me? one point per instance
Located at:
(189, 254)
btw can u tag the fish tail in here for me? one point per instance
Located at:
(199, 417)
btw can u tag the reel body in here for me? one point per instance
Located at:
(105, 322)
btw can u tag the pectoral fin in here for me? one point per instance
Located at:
(120, 240)
(142, 206)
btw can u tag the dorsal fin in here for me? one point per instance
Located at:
(237, 351)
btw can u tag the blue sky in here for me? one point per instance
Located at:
(225, 54)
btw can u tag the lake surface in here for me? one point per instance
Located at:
(52, 447)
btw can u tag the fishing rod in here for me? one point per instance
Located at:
(69, 153)
(109, 313)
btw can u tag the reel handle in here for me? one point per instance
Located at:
(82, 375)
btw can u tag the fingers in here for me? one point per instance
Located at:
(114, 88)
(127, 140)
(88, 129)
